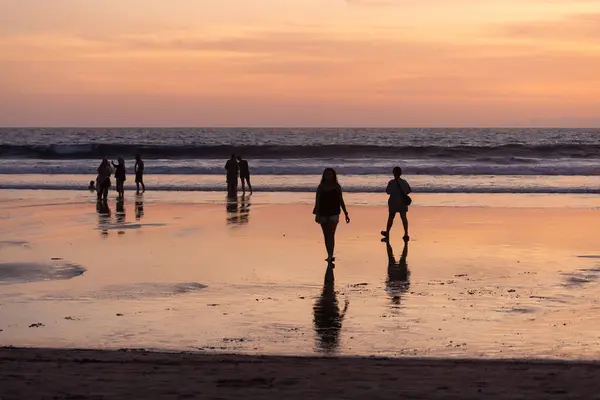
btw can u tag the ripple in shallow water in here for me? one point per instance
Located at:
(15, 243)
(146, 290)
(11, 273)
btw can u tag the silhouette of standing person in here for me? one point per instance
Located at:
(139, 173)
(397, 282)
(244, 174)
(120, 176)
(327, 316)
(232, 169)
(328, 205)
(103, 179)
(398, 202)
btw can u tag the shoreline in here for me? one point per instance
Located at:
(43, 197)
(48, 373)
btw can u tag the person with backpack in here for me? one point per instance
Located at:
(398, 203)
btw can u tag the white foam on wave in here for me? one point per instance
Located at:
(541, 189)
(298, 167)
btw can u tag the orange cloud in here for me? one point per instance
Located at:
(574, 28)
(511, 74)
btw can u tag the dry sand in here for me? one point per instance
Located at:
(74, 374)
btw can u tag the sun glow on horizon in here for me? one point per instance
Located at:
(302, 63)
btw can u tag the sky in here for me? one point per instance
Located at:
(374, 63)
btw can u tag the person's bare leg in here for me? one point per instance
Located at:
(325, 236)
(332, 226)
(329, 236)
(390, 222)
(249, 185)
(243, 186)
(405, 224)
(143, 187)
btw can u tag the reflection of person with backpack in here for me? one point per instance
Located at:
(399, 200)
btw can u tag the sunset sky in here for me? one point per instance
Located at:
(425, 63)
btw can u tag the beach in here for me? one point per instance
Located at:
(491, 282)
(500, 278)
(38, 374)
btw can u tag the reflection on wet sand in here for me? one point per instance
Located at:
(398, 274)
(120, 216)
(327, 316)
(103, 211)
(139, 207)
(238, 210)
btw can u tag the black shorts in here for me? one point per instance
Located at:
(139, 177)
(246, 177)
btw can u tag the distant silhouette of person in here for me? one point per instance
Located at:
(103, 179)
(329, 203)
(327, 316)
(139, 173)
(92, 187)
(244, 174)
(398, 189)
(121, 210)
(139, 207)
(120, 176)
(397, 282)
(103, 211)
(232, 169)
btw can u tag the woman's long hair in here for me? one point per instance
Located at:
(323, 180)
(103, 165)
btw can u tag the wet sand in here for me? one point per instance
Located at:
(249, 278)
(42, 374)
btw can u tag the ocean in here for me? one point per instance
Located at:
(291, 160)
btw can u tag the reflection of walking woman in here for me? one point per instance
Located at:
(328, 205)
(327, 316)
(103, 180)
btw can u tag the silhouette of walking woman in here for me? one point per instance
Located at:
(329, 203)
